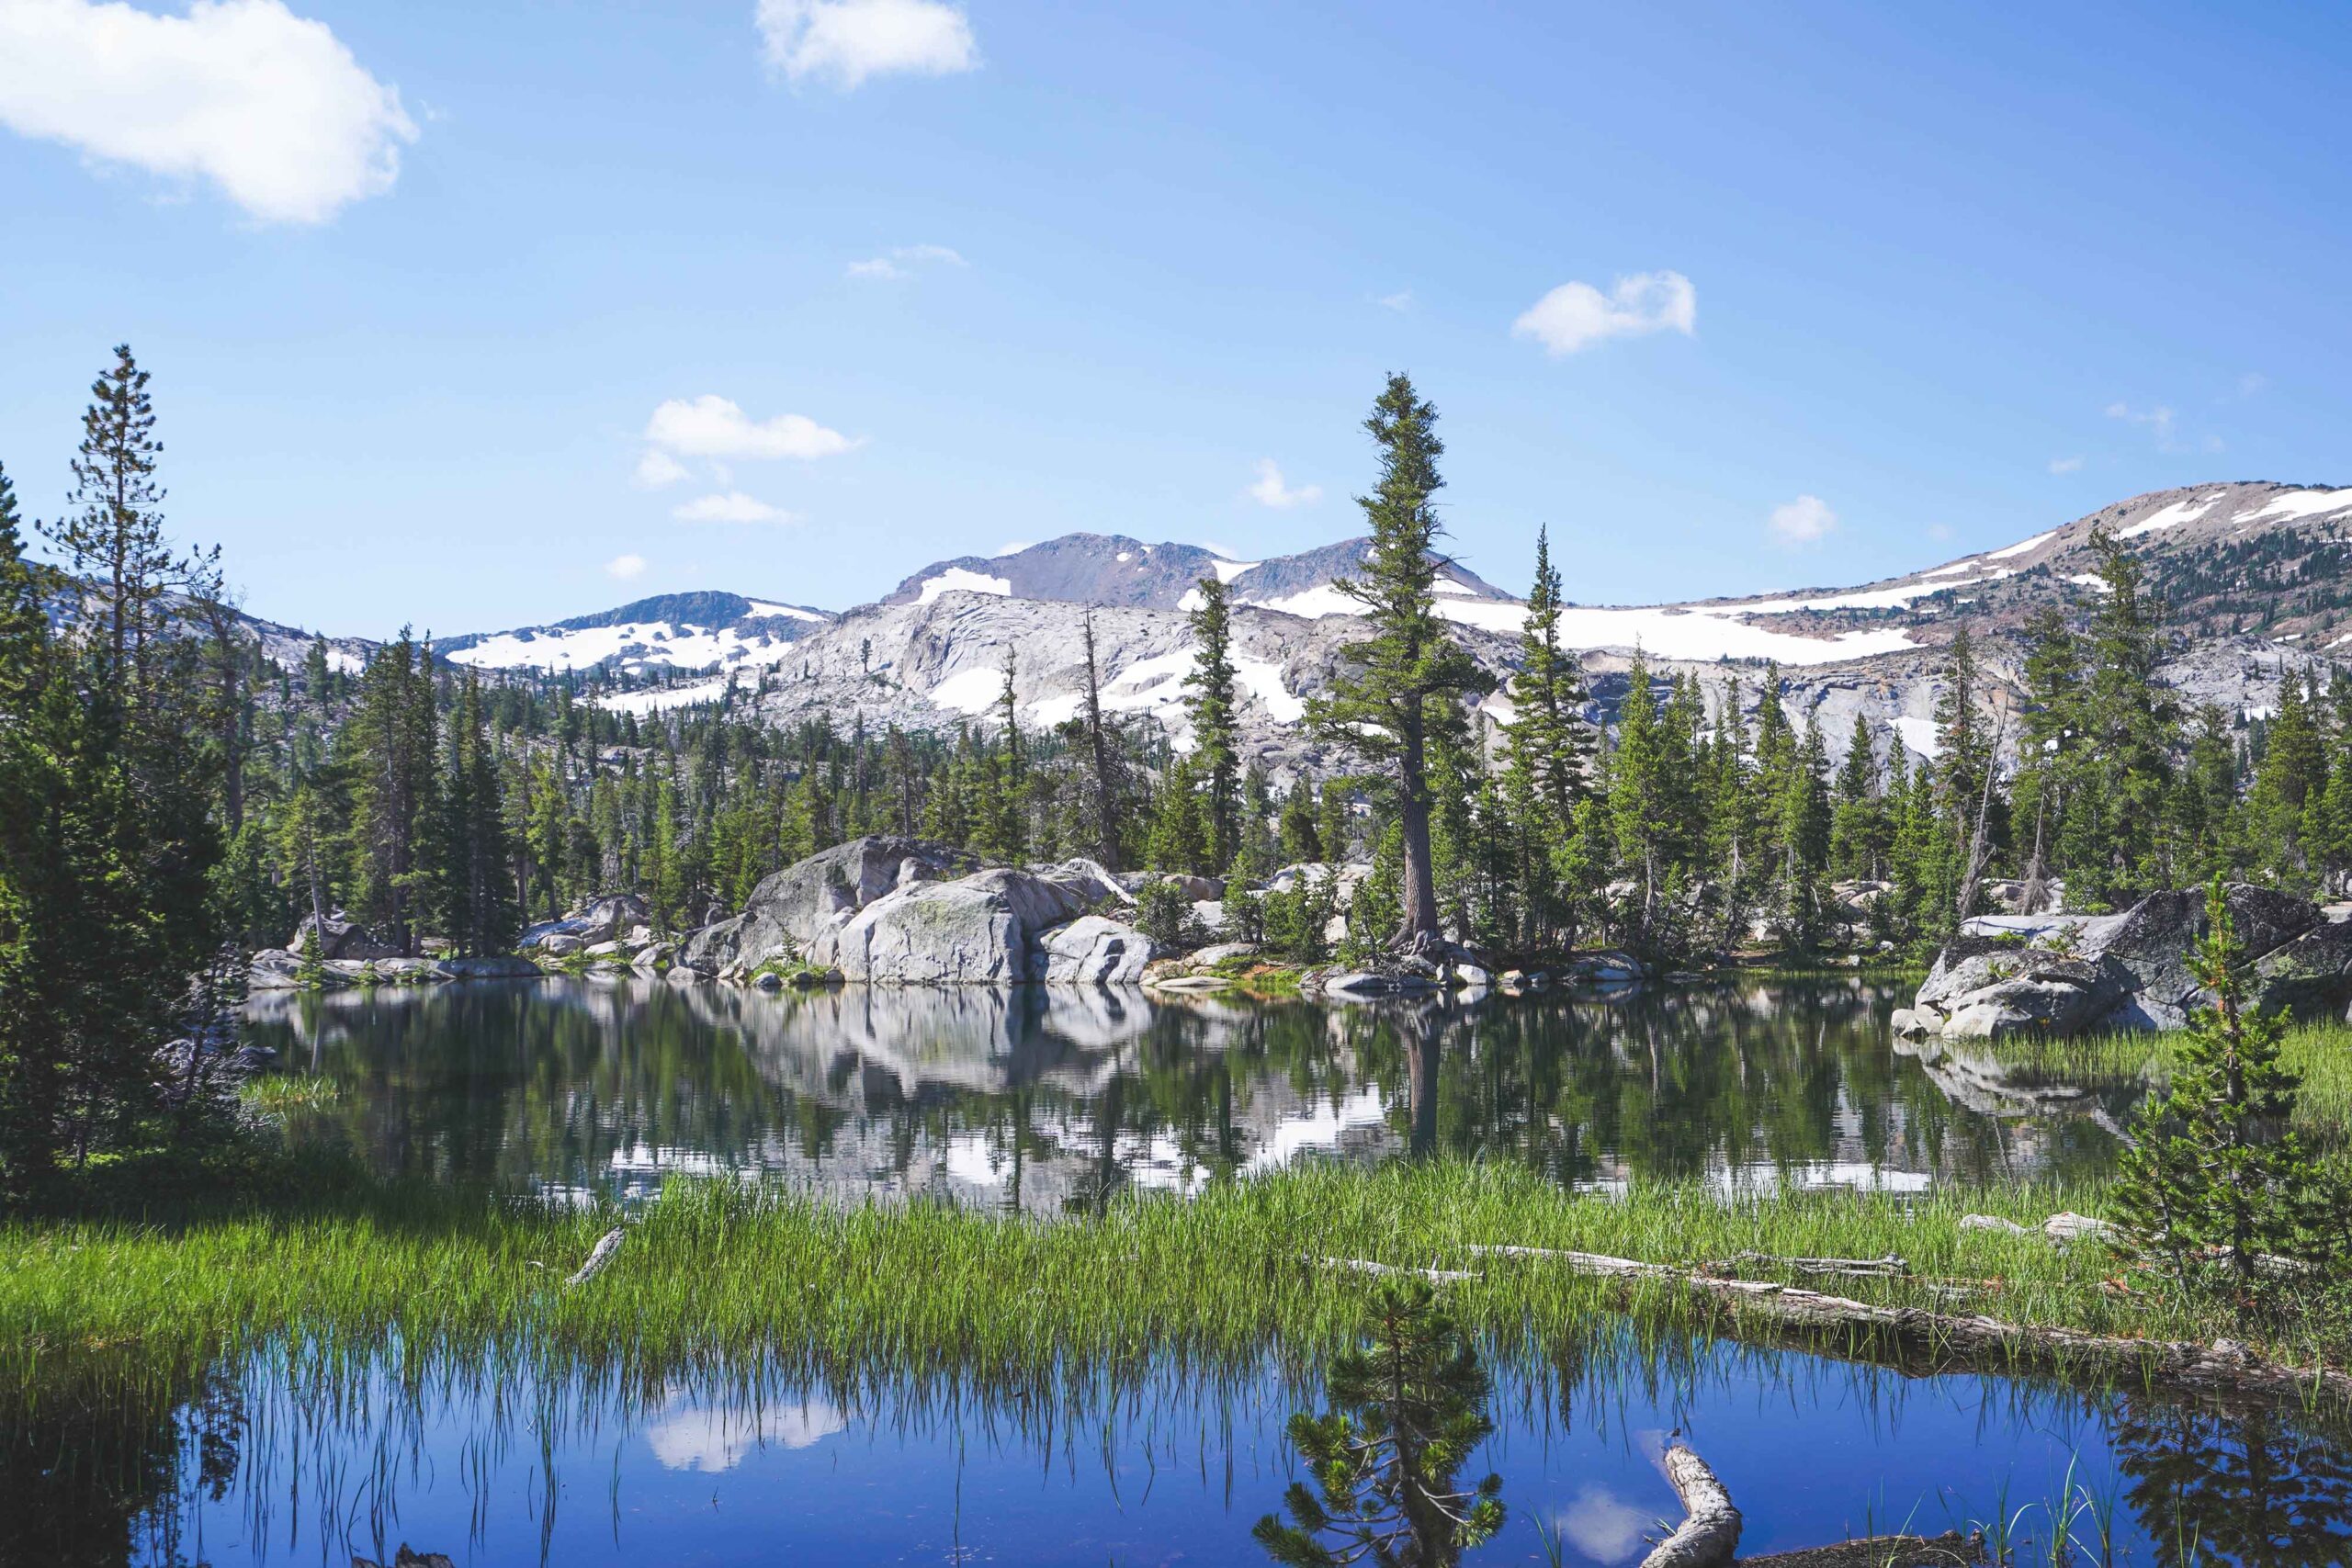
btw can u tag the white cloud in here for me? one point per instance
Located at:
(905, 261)
(1014, 547)
(657, 468)
(268, 106)
(1807, 520)
(713, 427)
(2158, 421)
(1576, 315)
(731, 506)
(2066, 465)
(1270, 489)
(1400, 300)
(1602, 1526)
(624, 567)
(845, 42)
(2252, 383)
(1939, 532)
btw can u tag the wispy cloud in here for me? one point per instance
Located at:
(1270, 488)
(1014, 547)
(845, 42)
(2157, 419)
(2066, 465)
(905, 261)
(730, 506)
(270, 106)
(2161, 423)
(711, 426)
(656, 470)
(1576, 315)
(1807, 520)
(1400, 300)
(624, 567)
(2250, 384)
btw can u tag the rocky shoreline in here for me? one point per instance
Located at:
(2058, 976)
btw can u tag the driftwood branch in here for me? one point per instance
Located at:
(1887, 1268)
(609, 1245)
(1710, 1534)
(2225, 1366)
(1365, 1265)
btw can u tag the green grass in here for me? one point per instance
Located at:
(326, 1255)
(274, 1094)
(2319, 1053)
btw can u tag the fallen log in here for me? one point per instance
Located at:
(2225, 1366)
(1365, 1265)
(1710, 1534)
(1889, 1266)
(609, 1245)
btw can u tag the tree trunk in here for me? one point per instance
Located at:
(1418, 913)
(1709, 1537)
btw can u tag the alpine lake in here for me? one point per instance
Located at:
(1059, 1106)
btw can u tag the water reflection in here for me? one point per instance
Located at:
(281, 1458)
(1051, 1101)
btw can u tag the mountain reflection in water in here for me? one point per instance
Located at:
(1045, 1100)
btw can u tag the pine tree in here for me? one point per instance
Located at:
(114, 540)
(2216, 1169)
(392, 733)
(1102, 751)
(1335, 821)
(2292, 771)
(1647, 776)
(1210, 711)
(1300, 843)
(2129, 724)
(1407, 677)
(1409, 1408)
(1546, 750)
(1857, 833)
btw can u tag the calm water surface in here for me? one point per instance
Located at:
(497, 1465)
(1044, 1100)
(1048, 1103)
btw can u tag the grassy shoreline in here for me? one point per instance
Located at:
(712, 1269)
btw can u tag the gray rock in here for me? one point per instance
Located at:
(601, 920)
(1472, 974)
(2071, 1226)
(342, 938)
(1088, 877)
(976, 930)
(1992, 1223)
(276, 969)
(1091, 951)
(791, 909)
(1987, 1020)
(2077, 973)
(493, 968)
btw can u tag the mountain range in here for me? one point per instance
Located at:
(2253, 574)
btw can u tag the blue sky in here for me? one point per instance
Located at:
(1957, 274)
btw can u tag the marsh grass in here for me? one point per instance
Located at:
(2320, 1054)
(715, 1268)
(274, 1094)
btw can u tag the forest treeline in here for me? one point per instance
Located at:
(173, 797)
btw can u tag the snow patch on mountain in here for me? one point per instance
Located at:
(957, 580)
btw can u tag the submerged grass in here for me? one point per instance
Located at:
(2320, 1053)
(714, 1269)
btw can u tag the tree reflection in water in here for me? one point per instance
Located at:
(339, 1455)
(1053, 1100)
